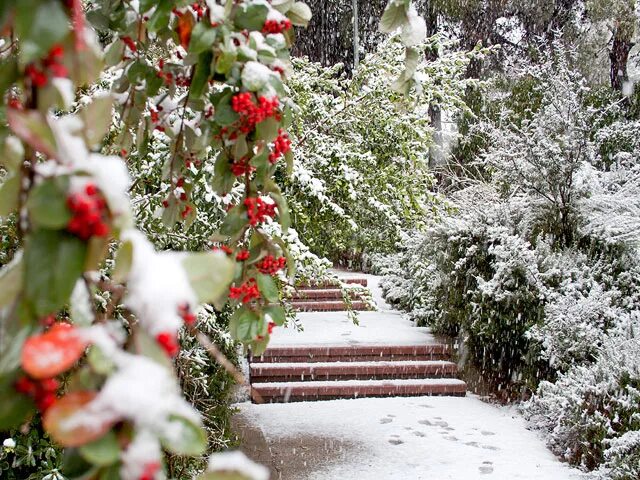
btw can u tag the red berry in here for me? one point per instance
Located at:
(25, 386)
(169, 343)
(45, 402)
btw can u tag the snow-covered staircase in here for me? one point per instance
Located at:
(325, 297)
(306, 372)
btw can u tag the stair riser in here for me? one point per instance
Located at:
(331, 393)
(328, 306)
(348, 358)
(275, 373)
(358, 281)
(308, 295)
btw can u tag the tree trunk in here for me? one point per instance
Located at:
(619, 56)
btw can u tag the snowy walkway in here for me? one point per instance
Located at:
(434, 438)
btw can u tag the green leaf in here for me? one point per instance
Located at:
(97, 119)
(234, 222)
(12, 153)
(54, 260)
(210, 274)
(223, 179)
(283, 210)
(9, 195)
(267, 130)
(9, 73)
(202, 38)
(100, 362)
(251, 16)
(32, 127)
(11, 343)
(147, 346)
(14, 408)
(102, 452)
(394, 16)
(114, 53)
(123, 261)
(201, 75)
(268, 287)
(226, 59)
(240, 148)
(39, 25)
(277, 314)
(47, 204)
(244, 324)
(160, 17)
(187, 438)
(299, 14)
(224, 114)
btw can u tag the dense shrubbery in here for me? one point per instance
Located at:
(356, 141)
(536, 270)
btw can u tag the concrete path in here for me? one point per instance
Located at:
(434, 438)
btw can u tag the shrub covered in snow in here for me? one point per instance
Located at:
(356, 140)
(536, 267)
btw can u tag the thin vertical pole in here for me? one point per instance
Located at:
(356, 36)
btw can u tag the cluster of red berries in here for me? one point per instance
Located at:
(51, 67)
(271, 265)
(224, 248)
(243, 255)
(186, 211)
(198, 9)
(180, 80)
(242, 167)
(275, 26)
(258, 210)
(281, 145)
(252, 113)
(43, 392)
(169, 343)
(187, 315)
(246, 292)
(90, 214)
(131, 45)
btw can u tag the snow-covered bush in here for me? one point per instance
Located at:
(591, 411)
(356, 139)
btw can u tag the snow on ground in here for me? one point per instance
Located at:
(335, 328)
(397, 438)
(436, 438)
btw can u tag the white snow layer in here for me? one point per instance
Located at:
(400, 438)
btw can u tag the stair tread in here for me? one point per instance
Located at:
(351, 349)
(284, 386)
(385, 363)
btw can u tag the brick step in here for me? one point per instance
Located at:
(321, 294)
(353, 353)
(326, 390)
(315, 285)
(284, 372)
(328, 306)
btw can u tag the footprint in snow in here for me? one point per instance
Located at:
(473, 444)
(419, 434)
(490, 447)
(386, 419)
(487, 433)
(396, 441)
(425, 422)
(486, 468)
